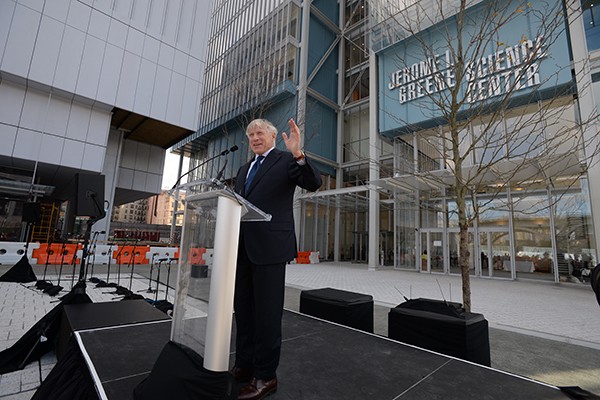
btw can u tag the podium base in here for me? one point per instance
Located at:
(178, 374)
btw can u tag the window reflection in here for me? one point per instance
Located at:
(356, 134)
(356, 50)
(355, 12)
(574, 236)
(591, 23)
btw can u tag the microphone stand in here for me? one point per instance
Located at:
(150, 290)
(105, 283)
(132, 263)
(74, 261)
(112, 284)
(53, 290)
(43, 283)
(217, 181)
(93, 254)
(86, 240)
(171, 259)
(62, 261)
(119, 290)
(110, 245)
(164, 305)
(160, 261)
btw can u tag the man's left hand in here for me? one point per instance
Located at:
(292, 143)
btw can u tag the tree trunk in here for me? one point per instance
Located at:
(464, 247)
(464, 266)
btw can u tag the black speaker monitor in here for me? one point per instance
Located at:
(89, 198)
(31, 212)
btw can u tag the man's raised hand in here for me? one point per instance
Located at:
(292, 143)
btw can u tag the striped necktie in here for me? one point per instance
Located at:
(252, 173)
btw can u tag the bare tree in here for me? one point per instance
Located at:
(499, 107)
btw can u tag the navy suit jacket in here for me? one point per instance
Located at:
(272, 190)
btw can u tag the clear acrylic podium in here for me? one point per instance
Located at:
(203, 307)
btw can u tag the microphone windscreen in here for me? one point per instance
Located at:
(233, 148)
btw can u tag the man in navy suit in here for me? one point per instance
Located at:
(268, 181)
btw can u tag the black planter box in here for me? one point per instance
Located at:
(442, 327)
(199, 271)
(345, 308)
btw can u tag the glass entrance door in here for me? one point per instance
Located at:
(454, 255)
(432, 246)
(489, 256)
(494, 252)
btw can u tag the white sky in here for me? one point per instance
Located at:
(170, 170)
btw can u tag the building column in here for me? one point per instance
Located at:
(175, 206)
(303, 66)
(339, 178)
(374, 146)
(301, 116)
(586, 108)
(112, 164)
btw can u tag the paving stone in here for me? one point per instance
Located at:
(31, 374)
(30, 387)
(45, 370)
(10, 384)
(20, 396)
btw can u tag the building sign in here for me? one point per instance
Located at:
(508, 69)
(518, 61)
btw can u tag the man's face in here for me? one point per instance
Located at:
(260, 140)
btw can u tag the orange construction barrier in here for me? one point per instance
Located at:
(303, 257)
(56, 253)
(195, 256)
(131, 254)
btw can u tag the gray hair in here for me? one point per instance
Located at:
(261, 123)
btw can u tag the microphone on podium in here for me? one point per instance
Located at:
(223, 153)
(222, 170)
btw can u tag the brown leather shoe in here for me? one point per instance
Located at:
(242, 374)
(258, 389)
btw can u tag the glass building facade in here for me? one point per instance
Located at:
(315, 61)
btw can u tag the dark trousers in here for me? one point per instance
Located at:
(258, 305)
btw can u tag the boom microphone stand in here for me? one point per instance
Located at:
(169, 275)
(74, 262)
(43, 283)
(86, 238)
(55, 289)
(132, 263)
(126, 292)
(93, 255)
(105, 283)
(62, 261)
(164, 305)
(117, 286)
(121, 248)
(160, 261)
(119, 290)
(150, 290)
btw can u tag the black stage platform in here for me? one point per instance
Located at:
(87, 316)
(320, 360)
